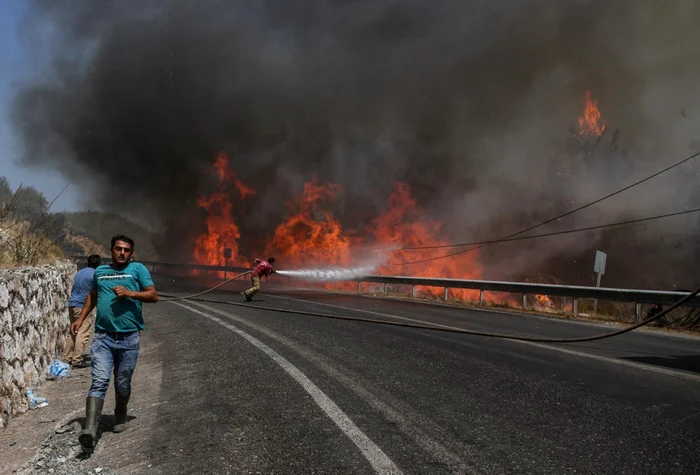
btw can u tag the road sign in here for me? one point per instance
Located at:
(600, 260)
(599, 268)
(228, 253)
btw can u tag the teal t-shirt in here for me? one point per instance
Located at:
(116, 314)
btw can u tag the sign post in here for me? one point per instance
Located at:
(228, 252)
(601, 259)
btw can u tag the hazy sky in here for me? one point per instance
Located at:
(14, 66)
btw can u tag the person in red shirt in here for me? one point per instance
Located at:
(262, 268)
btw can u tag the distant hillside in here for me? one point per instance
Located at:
(91, 231)
(30, 233)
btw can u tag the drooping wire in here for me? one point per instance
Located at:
(503, 336)
(557, 233)
(551, 220)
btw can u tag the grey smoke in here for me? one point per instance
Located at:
(470, 102)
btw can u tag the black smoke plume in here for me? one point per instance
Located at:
(469, 102)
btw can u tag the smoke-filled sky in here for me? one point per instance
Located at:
(468, 101)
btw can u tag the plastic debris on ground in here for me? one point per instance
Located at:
(59, 369)
(36, 402)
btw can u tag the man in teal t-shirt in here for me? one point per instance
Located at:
(115, 314)
(117, 291)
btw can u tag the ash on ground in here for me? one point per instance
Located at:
(61, 454)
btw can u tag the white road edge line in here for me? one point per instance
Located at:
(381, 463)
(583, 354)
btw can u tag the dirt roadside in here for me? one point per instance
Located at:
(45, 440)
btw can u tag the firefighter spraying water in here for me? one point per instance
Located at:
(262, 268)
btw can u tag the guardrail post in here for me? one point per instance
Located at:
(359, 287)
(638, 311)
(481, 297)
(574, 307)
(384, 290)
(413, 291)
(446, 294)
(524, 301)
(335, 285)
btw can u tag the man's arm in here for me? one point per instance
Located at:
(147, 295)
(90, 302)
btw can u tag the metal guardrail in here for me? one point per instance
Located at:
(526, 288)
(637, 296)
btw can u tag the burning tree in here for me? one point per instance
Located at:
(591, 131)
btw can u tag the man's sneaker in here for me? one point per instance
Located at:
(81, 364)
(246, 297)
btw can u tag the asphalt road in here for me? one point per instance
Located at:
(245, 390)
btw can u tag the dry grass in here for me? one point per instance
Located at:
(22, 244)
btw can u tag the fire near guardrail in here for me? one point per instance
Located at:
(637, 296)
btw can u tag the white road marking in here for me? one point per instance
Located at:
(407, 423)
(583, 354)
(381, 463)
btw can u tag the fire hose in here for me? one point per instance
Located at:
(502, 336)
(170, 298)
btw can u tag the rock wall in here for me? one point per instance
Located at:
(33, 328)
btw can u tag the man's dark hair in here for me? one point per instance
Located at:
(94, 261)
(271, 260)
(121, 237)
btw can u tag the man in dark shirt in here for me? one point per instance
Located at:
(82, 284)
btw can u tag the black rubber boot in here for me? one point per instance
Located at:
(120, 417)
(93, 409)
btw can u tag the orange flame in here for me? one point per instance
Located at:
(590, 123)
(311, 236)
(406, 225)
(226, 174)
(544, 301)
(222, 230)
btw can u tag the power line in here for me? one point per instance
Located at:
(557, 233)
(556, 218)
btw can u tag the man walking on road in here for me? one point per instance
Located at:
(262, 268)
(76, 342)
(117, 291)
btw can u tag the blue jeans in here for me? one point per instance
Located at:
(118, 351)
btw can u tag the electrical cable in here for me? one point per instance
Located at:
(554, 233)
(502, 336)
(556, 218)
(478, 246)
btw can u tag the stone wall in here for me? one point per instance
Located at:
(33, 328)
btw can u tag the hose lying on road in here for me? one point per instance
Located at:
(170, 298)
(445, 329)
